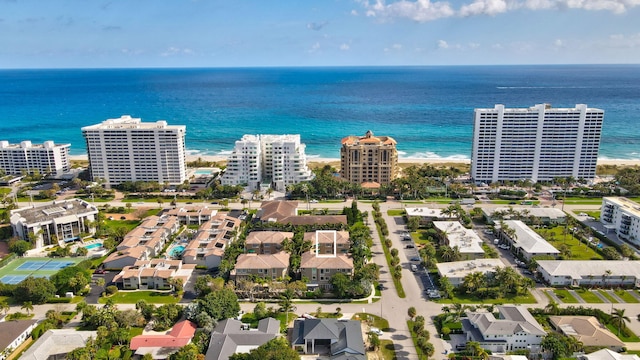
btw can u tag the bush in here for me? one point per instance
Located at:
(111, 289)
(61, 300)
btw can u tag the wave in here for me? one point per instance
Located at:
(224, 152)
(313, 156)
(542, 87)
(429, 155)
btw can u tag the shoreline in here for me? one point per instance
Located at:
(319, 160)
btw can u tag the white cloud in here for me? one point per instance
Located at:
(623, 41)
(344, 47)
(442, 44)
(394, 47)
(474, 45)
(427, 10)
(317, 26)
(354, 12)
(172, 51)
(558, 43)
(315, 47)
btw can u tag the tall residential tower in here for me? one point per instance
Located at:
(276, 160)
(46, 158)
(127, 149)
(538, 143)
(368, 159)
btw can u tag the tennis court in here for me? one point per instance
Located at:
(21, 268)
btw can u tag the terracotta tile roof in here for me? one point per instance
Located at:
(326, 237)
(179, 336)
(314, 220)
(310, 260)
(277, 210)
(270, 237)
(263, 261)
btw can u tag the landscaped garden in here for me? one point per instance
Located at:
(132, 297)
(570, 247)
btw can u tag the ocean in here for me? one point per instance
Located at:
(428, 110)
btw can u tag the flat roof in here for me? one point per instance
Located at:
(65, 209)
(578, 269)
(460, 269)
(625, 204)
(465, 239)
(424, 211)
(539, 212)
(529, 240)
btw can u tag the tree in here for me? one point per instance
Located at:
(187, 352)
(374, 341)
(27, 306)
(4, 306)
(411, 312)
(552, 308)
(446, 286)
(619, 318)
(19, 247)
(275, 349)
(36, 290)
(221, 304)
(72, 278)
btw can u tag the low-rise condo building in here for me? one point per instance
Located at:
(192, 214)
(54, 224)
(621, 215)
(528, 215)
(268, 266)
(525, 241)
(426, 215)
(328, 241)
(454, 234)
(514, 329)
(275, 160)
(27, 158)
(456, 271)
(266, 242)
(369, 159)
(153, 274)
(208, 245)
(127, 149)
(539, 143)
(602, 273)
(153, 234)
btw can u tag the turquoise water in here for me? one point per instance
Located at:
(177, 251)
(428, 110)
(203, 172)
(93, 246)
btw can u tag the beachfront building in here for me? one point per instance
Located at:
(590, 273)
(514, 329)
(276, 160)
(54, 223)
(127, 149)
(47, 158)
(153, 274)
(622, 216)
(456, 271)
(528, 215)
(208, 245)
(539, 143)
(454, 234)
(525, 241)
(369, 159)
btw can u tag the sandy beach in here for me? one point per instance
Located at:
(311, 161)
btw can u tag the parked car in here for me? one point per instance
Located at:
(99, 271)
(415, 258)
(414, 268)
(410, 246)
(376, 331)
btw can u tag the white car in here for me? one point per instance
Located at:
(376, 331)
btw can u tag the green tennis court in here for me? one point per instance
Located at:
(21, 268)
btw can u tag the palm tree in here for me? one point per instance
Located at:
(4, 306)
(552, 308)
(619, 318)
(28, 306)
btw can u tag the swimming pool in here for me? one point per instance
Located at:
(177, 251)
(93, 246)
(203, 172)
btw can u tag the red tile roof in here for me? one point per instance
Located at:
(179, 336)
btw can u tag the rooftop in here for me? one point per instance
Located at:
(529, 240)
(579, 269)
(57, 341)
(63, 211)
(465, 239)
(627, 205)
(586, 329)
(460, 269)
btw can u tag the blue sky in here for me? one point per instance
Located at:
(237, 33)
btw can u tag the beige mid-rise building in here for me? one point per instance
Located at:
(370, 158)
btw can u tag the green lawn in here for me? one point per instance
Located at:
(132, 297)
(376, 321)
(579, 250)
(387, 350)
(593, 213)
(624, 295)
(608, 297)
(583, 201)
(468, 299)
(626, 335)
(4, 190)
(565, 296)
(395, 212)
(128, 224)
(589, 297)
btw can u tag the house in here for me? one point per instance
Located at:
(126, 257)
(329, 241)
(456, 271)
(453, 234)
(319, 268)
(588, 330)
(286, 212)
(606, 354)
(55, 344)
(426, 215)
(266, 242)
(269, 266)
(192, 214)
(208, 245)
(546, 216)
(153, 274)
(14, 333)
(153, 233)
(54, 223)
(161, 346)
(515, 329)
(590, 272)
(526, 241)
(230, 337)
(340, 339)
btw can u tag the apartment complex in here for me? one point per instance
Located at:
(623, 216)
(45, 158)
(153, 274)
(368, 159)
(537, 143)
(277, 160)
(127, 149)
(54, 223)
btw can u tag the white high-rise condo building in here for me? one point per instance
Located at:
(539, 143)
(127, 149)
(276, 160)
(46, 158)
(622, 216)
